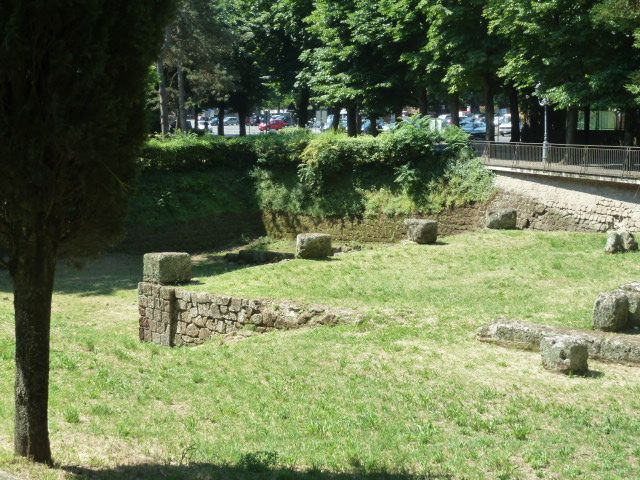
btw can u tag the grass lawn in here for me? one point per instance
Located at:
(406, 394)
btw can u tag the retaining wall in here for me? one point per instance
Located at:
(377, 229)
(556, 202)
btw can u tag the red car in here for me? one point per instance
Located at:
(274, 124)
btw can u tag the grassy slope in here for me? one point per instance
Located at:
(407, 392)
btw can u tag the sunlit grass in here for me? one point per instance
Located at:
(407, 391)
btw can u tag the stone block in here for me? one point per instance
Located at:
(192, 330)
(505, 219)
(564, 354)
(628, 242)
(611, 312)
(167, 268)
(632, 291)
(313, 245)
(421, 231)
(614, 243)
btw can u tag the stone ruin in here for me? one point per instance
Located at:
(616, 316)
(174, 316)
(313, 246)
(603, 346)
(504, 219)
(421, 231)
(619, 310)
(620, 242)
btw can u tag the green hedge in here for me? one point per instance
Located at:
(412, 169)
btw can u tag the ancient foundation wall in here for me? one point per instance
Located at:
(172, 316)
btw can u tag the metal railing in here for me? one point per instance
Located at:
(596, 160)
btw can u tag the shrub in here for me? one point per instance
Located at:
(412, 169)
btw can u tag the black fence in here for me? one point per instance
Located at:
(595, 160)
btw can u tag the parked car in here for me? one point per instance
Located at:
(285, 117)
(366, 125)
(231, 120)
(329, 122)
(204, 124)
(274, 124)
(504, 128)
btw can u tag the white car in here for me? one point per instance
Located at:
(231, 120)
(504, 128)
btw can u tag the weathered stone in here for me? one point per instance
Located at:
(609, 347)
(502, 219)
(614, 243)
(215, 311)
(167, 268)
(313, 245)
(632, 290)
(421, 231)
(564, 354)
(611, 312)
(235, 305)
(628, 242)
(167, 293)
(192, 330)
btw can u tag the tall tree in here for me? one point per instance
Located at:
(72, 93)
(354, 65)
(462, 47)
(197, 41)
(571, 48)
(282, 35)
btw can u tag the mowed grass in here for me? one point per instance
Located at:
(407, 393)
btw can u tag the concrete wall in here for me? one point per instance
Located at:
(563, 203)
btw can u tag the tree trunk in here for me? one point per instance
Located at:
(374, 124)
(571, 135)
(423, 102)
(163, 97)
(514, 108)
(33, 286)
(352, 127)
(221, 121)
(587, 125)
(182, 99)
(242, 125)
(454, 109)
(628, 127)
(335, 123)
(303, 107)
(490, 112)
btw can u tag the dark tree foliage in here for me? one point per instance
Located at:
(72, 99)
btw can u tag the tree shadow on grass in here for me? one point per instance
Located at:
(245, 470)
(113, 272)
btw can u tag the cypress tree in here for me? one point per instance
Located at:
(72, 82)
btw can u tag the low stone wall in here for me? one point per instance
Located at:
(609, 347)
(172, 316)
(559, 203)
